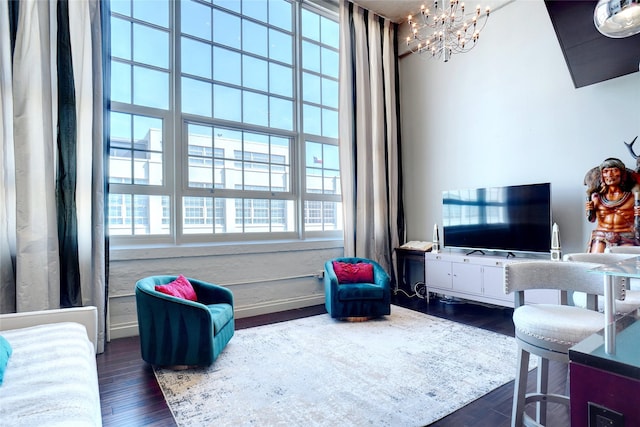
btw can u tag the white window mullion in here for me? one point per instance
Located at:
(243, 89)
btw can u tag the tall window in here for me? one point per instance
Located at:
(224, 120)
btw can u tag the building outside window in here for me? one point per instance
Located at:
(224, 121)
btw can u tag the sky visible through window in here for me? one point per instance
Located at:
(205, 137)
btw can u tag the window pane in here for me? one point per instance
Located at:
(263, 216)
(322, 216)
(280, 178)
(120, 38)
(310, 56)
(255, 8)
(144, 219)
(330, 32)
(121, 6)
(227, 103)
(135, 155)
(330, 62)
(150, 88)
(228, 143)
(120, 166)
(226, 29)
(120, 130)
(322, 168)
(330, 157)
(196, 19)
(329, 123)
(331, 182)
(256, 108)
(129, 215)
(149, 131)
(313, 152)
(280, 80)
(150, 46)
(199, 136)
(310, 25)
(254, 38)
(120, 214)
(226, 66)
(155, 12)
(281, 113)
(198, 215)
(311, 88)
(196, 97)
(255, 73)
(280, 150)
(196, 58)
(280, 14)
(121, 86)
(282, 216)
(280, 47)
(329, 93)
(147, 168)
(312, 120)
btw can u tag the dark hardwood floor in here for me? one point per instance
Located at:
(130, 395)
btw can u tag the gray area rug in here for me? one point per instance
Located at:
(407, 369)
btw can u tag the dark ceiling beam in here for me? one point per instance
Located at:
(590, 56)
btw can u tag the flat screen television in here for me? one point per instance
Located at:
(507, 219)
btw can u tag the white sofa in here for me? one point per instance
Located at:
(51, 377)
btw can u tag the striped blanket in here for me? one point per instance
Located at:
(51, 378)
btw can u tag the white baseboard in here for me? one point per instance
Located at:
(129, 329)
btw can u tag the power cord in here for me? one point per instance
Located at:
(420, 291)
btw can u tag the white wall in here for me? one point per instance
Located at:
(507, 113)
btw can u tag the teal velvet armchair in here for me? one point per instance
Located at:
(175, 331)
(344, 300)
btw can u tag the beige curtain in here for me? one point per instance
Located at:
(369, 138)
(34, 135)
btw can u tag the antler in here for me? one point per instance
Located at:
(630, 147)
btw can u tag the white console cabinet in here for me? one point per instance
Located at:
(476, 278)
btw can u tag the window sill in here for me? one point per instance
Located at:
(141, 252)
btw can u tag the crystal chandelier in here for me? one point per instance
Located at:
(444, 30)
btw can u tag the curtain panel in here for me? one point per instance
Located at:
(370, 160)
(52, 252)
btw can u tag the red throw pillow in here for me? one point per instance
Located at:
(347, 272)
(180, 288)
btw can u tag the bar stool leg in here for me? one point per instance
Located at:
(543, 387)
(520, 388)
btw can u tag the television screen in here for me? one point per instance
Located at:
(512, 219)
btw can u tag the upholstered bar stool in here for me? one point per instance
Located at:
(632, 291)
(549, 330)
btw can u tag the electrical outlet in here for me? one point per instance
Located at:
(599, 416)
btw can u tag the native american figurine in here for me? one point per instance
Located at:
(612, 199)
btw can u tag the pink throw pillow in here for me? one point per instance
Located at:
(180, 288)
(348, 272)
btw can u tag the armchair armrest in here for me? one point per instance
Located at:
(209, 293)
(380, 277)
